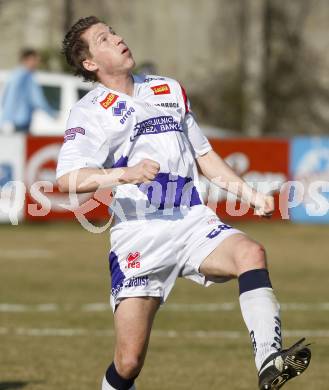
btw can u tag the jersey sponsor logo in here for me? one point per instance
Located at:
(127, 115)
(162, 89)
(149, 79)
(110, 99)
(133, 260)
(220, 228)
(168, 105)
(70, 134)
(140, 281)
(119, 108)
(157, 125)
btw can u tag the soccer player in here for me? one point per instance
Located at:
(138, 135)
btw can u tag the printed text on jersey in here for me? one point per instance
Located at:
(157, 125)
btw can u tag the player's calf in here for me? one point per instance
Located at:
(129, 365)
(133, 321)
(122, 373)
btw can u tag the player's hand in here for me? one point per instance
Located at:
(143, 172)
(263, 204)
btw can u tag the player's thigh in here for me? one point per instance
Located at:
(133, 321)
(233, 256)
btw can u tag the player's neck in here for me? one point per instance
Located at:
(123, 83)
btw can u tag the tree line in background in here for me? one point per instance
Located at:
(277, 89)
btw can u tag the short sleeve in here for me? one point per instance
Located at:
(198, 140)
(85, 143)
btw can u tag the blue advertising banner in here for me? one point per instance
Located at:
(6, 174)
(309, 168)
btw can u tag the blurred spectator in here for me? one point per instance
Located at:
(22, 95)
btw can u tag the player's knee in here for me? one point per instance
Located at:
(129, 366)
(250, 255)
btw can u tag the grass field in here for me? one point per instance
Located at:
(56, 329)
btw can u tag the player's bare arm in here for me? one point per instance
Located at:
(91, 179)
(215, 169)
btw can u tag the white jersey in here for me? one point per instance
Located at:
(109, 129)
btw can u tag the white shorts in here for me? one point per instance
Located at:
(147, 256)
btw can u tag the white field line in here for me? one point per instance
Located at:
(176, 307)
(26, 254)
(197, 334)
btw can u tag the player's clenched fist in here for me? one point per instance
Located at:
(143, 172)
(264, 205)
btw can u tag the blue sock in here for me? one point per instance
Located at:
(256, 278)
(116, 381)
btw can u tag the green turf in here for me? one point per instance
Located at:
(63, 264)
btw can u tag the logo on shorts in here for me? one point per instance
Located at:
(137, 282)
(162, 89)
(110, 99)
(212, 221)
(133, 260)
(220, 228)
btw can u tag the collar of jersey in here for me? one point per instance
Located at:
(138, 79)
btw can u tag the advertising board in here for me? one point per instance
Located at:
(12, 189)
(309, 165)
(44, 201)
(263, 163)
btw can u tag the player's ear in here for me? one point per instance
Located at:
(89, 65)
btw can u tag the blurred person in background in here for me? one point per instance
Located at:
(22, 95)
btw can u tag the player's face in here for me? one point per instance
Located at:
(110, 55)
